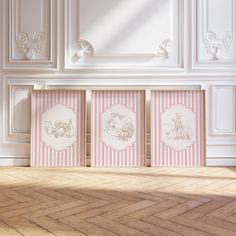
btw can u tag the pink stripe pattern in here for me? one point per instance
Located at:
(106, 154)
(164, 154)
(43, 154)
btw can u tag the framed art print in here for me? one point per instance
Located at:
(58, 128)
(178, 128)
(117, 128)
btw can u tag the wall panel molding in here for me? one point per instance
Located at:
(16, 87)
(17, 113)
(19, 105)
(57, 44)
(214, 34)
(221, 162)
(30, 41)
(122, 44)
(223, 114)
(13, 161)
(1, 36)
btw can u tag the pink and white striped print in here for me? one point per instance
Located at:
(44, 155)
(103, 155)
(163, 155)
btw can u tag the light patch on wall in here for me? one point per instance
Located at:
(120, 27)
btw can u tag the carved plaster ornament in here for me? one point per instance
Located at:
(217, 45)
(31, 47)
(85, 49)
(164, 50)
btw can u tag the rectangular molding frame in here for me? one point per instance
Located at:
(71, 45)
(214, 130)
(11, 133)
(12, 93)
(48, 23)
(200, 13)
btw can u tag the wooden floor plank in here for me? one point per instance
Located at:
(77, 210)
(219, 223)
(117, 201)
(152, 210)
(103, 209)
(27, 228)
(231, 219)
(6, 230)
(179, 209)
(128, 209)
(209, 228)
(52, 210)
(31, 208)
(224, 211)
(115, 226)
(86, 227)
(175, 227)
(56, 227)
(210, 206)
(145, 227)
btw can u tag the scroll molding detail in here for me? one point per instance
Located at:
(85, 49)
(216, 46)
(165, 50)
(31, 47)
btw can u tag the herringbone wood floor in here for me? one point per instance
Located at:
(138, 201)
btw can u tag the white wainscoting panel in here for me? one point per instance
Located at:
(221, 162)
(1, 110)
(94, 44)
(30, 30)
(224, 110)
(123, 34)
(214, 33)
(18, 112)
(13, 161)
(1, 36)
(1, 81)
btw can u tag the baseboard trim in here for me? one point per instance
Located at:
(14, 162)
(221, 162)
(26, 162)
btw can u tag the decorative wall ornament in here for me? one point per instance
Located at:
(58, 128)
(117, 128)
(217, 45)
(31, 47)
(164, 50)
(177, 128)
(85, 49)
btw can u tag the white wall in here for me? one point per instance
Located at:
(149, 43)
